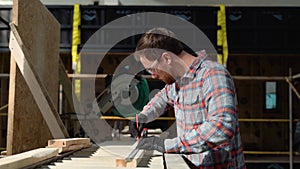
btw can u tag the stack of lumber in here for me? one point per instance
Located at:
(53, 149)
(107, 155)
(112, 154)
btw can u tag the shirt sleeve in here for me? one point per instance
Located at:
(218, 128)
(157, 105)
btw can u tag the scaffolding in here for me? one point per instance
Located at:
(290, 120)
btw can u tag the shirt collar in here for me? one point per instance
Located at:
(191, 73)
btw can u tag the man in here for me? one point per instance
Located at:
(203, 95)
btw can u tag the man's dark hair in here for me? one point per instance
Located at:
(158, 38)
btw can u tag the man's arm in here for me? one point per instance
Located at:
(157, 105)
(150, 112)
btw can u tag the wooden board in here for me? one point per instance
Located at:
(67, 85)
(73, 147)
(175, 161)
(70, 144)
(28, 158)
(121, 162)
(40, 33)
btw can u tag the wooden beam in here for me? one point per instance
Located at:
(121, 162)
(4, 75)
(263, 78)
(28, 158)
(67, 85)
(70, 144)
(40, 94)
(136, 159)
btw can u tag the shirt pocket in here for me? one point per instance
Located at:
(194, 108)
(191, 97)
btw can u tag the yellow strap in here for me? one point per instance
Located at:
(76, 34)
(222, 36)
(75, 42)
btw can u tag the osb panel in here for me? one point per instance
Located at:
(40, 34)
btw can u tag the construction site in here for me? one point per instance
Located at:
(70, 85)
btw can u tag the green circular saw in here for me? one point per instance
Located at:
(125, 96)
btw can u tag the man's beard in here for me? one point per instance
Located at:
(168, 79)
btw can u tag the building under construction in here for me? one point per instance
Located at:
(62, 76)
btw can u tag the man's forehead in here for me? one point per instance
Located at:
(144, 60)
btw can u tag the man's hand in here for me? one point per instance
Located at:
(152, 143)
(135, 132)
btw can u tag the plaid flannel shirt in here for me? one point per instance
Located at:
(205, 106)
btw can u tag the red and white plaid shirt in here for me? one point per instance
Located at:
(205, 106)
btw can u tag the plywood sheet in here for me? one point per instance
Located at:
(40, 33)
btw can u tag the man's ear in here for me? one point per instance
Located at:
(167, 58)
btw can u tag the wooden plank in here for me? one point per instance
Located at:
(68, 142)
(74, 147)
(67, 85)
(40, 33)
(175, 161)
(122, 162)
(28, 158)
(134, 162)
(71, 144)
(270, 159)
(156, 160)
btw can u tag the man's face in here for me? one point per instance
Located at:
(158, 69)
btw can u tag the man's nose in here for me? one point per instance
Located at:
(154, 76)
